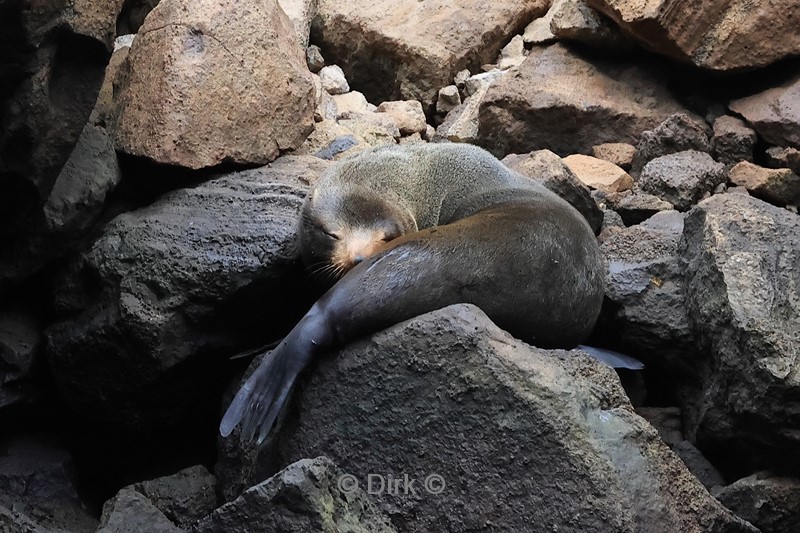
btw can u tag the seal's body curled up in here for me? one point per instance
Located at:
(416, 228)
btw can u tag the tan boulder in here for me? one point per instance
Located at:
(352, 102)
(774, 113)
(776, 185)
(717, 34)
(207, 82)
(301, 13)
(408, 115)
(559, 101)
(408, 50)
(599, 174)
(621, 154)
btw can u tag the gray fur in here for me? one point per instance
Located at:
(471, 231)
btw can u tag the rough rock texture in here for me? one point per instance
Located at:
(548, 169)
(308, 496)
(682, 178)
(461, 124)
(408, 115)
(770, 503)
(678, 133)
(778, 186)
(621, 154)
(71, 209)
(740, 259)
(538, 107)
(718, 35)
(598, 173)
(165, 285)
(644, 287)
(38, 488)
(53, 58)
(781, 157)
(550, 431)
(301, 13)
(448, 99)
(574, 20)
(131, 511)
(20, 349)
(352, 102)
(408, 50)
(538, 31)
(512, 54)
(184, 497)
(733, 141)
(314, 58)
(332, 141)
(201, 88)
(636, 206)
(333, 80)
(774, 113)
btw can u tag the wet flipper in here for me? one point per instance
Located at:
(612, 358)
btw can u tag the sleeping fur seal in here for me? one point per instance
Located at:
(414, 228)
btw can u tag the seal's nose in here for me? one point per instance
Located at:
(357, 259)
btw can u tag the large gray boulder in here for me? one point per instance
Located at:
(154, 303)
(774, 113)
(494, 432)
(740, 258)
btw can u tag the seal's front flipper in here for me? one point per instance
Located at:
(262, 397)
(612, 358)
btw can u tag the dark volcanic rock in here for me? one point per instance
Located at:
(741, 258)
(770, 503)
(71, 209)
(548, 169)
(678, 133)
(131, 511)
(184, 497)
(449, 394)
(733, 141)
(38, 488)
(539, 107)
(780, 157)
(682, 178)
(20, 348)
(164, 288)
(54, 55)
(309, 496)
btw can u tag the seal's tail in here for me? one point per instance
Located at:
(262, 397)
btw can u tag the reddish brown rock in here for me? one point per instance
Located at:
(717, 34)
(621, 154)
(599, 174)
(208, 82)
(560, 101)
(408, 50)
(774, 113)
(775, 185)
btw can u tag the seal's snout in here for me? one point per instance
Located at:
(357, 259)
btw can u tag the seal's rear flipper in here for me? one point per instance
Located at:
(612, 358)
(262, 397)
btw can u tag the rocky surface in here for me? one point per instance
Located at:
(774, 113)
(184, 497)
(740, 275)
(463, 400)
(778, 186)
(188, 98)
(678, 133)
(20, 350)
(682, 178)
(733, 141)
(548, 169)
(621, 154)
(768, 502)
(538, 106)
(308, 496)
(720, 36)
(409, 50)
(160, 286)
(131, 511)
(574, 20)
(599, 174)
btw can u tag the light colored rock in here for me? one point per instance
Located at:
(621, 154)
(326, 106)
(408, 115)
(538, 31)
(573, 20)
(301, 13)
(733, 141)
(482, 81)
(352, 102)
(512, 54)
(779, 186)
(717, 35)
(598, 173)
(332, 141)
(430, 131)
(461, 78)
(333, 80)
(208, 82)
(449, 98)
(774, 113)
(374, 128)
(559, 101)
(408, 50)
(124, 41)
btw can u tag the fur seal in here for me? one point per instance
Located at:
(415, 228)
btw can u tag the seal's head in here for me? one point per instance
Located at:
(340, 228)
